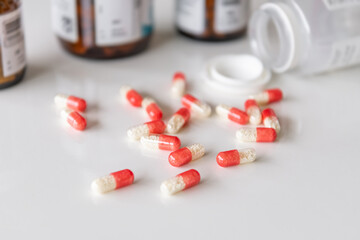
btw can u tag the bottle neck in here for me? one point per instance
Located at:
(273, 36)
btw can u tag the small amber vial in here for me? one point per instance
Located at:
(12, 47)
(212, 20)
(103, 29)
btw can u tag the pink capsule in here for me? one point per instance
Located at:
(161, 142)
(253, 111)
(236, 157)
(181, 182)
(268, 96)
(152, 109)
(187, 154)
(113, 181)
(259, 134)
(130, 95)
(71, 102)
(270, 119)
(154, 127)
(74, 119)
(178, 84)
(197, 107)
(232, 114)
(178, 120)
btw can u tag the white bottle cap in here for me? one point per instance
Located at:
(236, 74)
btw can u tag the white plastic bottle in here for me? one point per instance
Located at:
(307, 36)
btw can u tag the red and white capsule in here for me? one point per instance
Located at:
(236, 157)
(113, 181)
(154, 127)
(74, 119)
(181, 182)
(187, 154)
(178, 87)
(232, 114)
(271, 120)
(130, 95)
(152, 109)
(161, 142)
(268, 96)
(178, 120)
(71, 102)
(253, 111)
(259, 134)
(197, 107)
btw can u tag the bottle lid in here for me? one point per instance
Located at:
(236, 74)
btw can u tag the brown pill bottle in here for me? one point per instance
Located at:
(212, 20)
(12, 47)
(103, 29)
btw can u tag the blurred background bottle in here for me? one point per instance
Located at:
(306, 36)
(212, 20)
(12, 46)
(103, 28)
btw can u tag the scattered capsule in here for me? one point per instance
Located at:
(74, 119)
(161, 142)
(71, 102)
(236, 157)
(130, 95)
(232, 114)
(187, 154)
(253, 111)
(152, 109)
(268, 96)
(178, 85)
(199, 108)
(270, 119)
(113, 181)
(154, 127)
(178, 120)
(259, 134)
(181, 182)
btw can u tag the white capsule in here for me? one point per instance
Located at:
(247, 155)
(178, 120)
(200, 109)
(135, 133)
(246, 134)
(172, 186)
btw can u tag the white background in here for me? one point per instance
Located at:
(304, 186)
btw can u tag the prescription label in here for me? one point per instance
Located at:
(117, 21)
(12, 43)
(341, 4)
(191, 15)
(345, 53)
(230, 15)
(64, 19)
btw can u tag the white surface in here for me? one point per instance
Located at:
(305, 186)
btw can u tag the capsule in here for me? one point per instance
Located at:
(259, 134)
(178, 85)
(253, 111)
(130, 95)
(232, 114)
(268, 96)
(270, 119)
(113, 181)
(181, 182)
(236, 157)
(152, 109)
(71, 102)
(154, 127)
(187, 154)
(178, 120)
(74, 119)
(199, 108)
(161, 142)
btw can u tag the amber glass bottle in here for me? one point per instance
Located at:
(12, 47)
(103, 29)
(212, 20)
